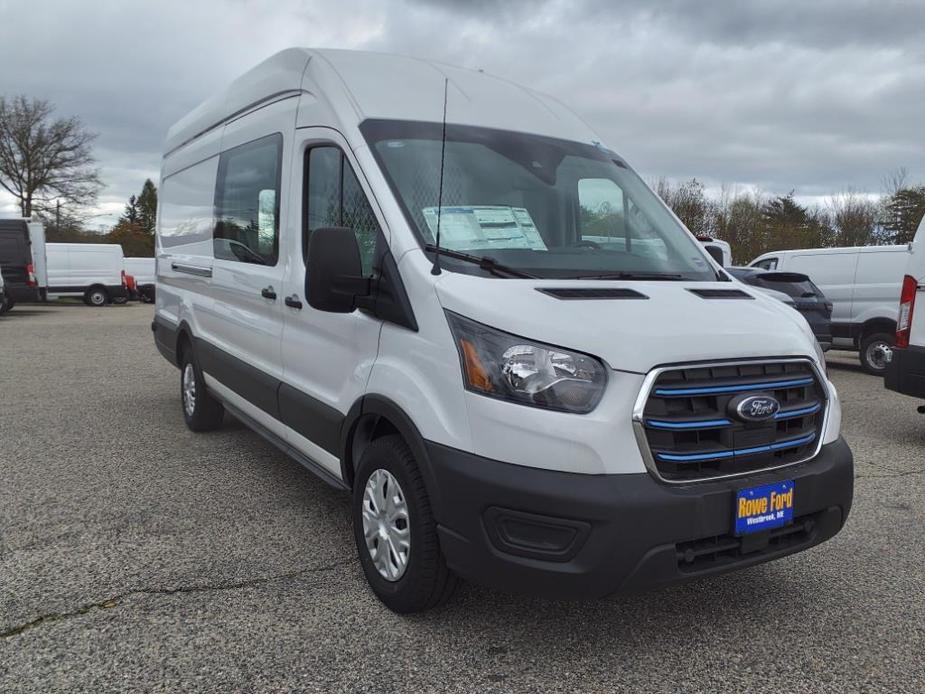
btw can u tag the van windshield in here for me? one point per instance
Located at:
(542, 206)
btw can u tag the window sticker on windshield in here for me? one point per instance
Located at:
(465, 228)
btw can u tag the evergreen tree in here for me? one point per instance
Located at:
(903, 210)
(147, 207)
(131, 211)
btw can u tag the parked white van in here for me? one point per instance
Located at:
(905, 372)
(489, 329)
(862, 283)
(90, 270)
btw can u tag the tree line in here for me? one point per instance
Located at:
(47, 165)
(753, 223)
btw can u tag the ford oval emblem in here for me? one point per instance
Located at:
(755, 408)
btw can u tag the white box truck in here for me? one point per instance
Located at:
(532, 376)
(93, 271)
(862, 283)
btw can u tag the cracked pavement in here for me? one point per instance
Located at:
(135, 555)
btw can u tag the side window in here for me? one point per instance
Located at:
(247, 202)
(767, 264)
(334, 198)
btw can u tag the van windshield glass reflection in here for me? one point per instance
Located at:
(548, 207)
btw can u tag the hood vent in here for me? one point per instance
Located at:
(584, 293)
(720, 293)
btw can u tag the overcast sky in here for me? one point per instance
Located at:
(817, 96)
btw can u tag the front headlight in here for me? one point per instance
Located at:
(821, 354)
(511, 368)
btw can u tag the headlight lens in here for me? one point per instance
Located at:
(508, 367)
(821, 355)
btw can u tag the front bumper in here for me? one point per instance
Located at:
(905, 373)
(570, 535)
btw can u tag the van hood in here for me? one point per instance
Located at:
(668, 324)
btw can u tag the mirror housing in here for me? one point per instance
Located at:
(716, 253)
(333, 272)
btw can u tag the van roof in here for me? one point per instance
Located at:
(359, 85)
(842, 249)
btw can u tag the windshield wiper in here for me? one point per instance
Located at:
(487, 264)
(630, 275)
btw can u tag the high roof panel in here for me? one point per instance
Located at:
(359, 85)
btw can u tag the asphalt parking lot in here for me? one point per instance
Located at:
(135, 555)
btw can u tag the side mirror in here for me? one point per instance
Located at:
(334, 274)
(716, 253)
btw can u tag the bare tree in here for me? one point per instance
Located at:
(854, 218)
(895, 180)
(45, 160)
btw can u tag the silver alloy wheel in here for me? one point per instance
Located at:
(878, 354)
(386, 524)
(97, 298)
(189, 389)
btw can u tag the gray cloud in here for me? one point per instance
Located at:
(816, 96)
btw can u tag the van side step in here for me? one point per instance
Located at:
(296, 455)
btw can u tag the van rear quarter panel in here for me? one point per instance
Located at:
(184, 228)
(878, 283)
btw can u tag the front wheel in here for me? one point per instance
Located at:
(876, 350)
(395, 530)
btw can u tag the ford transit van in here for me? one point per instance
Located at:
(444, 294)
(905, 372)
(92, 271)
(862, 283)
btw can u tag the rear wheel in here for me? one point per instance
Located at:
(395, 530)
(96, 296)
(201, 411)
(5, 305)
(875, 352)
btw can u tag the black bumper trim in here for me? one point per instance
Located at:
(637, 525)
(906, 372)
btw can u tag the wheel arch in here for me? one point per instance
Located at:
(372, 417)
(876, 325)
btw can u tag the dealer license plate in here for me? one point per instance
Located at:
(763, 508)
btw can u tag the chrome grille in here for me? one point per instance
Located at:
(688, 432)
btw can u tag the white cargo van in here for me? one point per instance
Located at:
(89, 270)
(487, 328)
(862, 284)
(905, 372)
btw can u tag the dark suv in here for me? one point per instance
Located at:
(807, 298)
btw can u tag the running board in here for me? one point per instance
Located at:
(286, 448)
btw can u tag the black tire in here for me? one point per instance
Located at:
(96, 296)
(206, 413)
(427, 582)
(871, 350)
(5, 305)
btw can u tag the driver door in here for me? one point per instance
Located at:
(327, 357)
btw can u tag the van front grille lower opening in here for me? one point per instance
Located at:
(709, 553)
(694, 432)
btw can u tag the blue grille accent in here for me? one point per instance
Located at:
(715, 390)
(700, 424)
(801, 412)
(717, 455)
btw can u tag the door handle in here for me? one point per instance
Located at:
(268, 292)
(293, 301)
